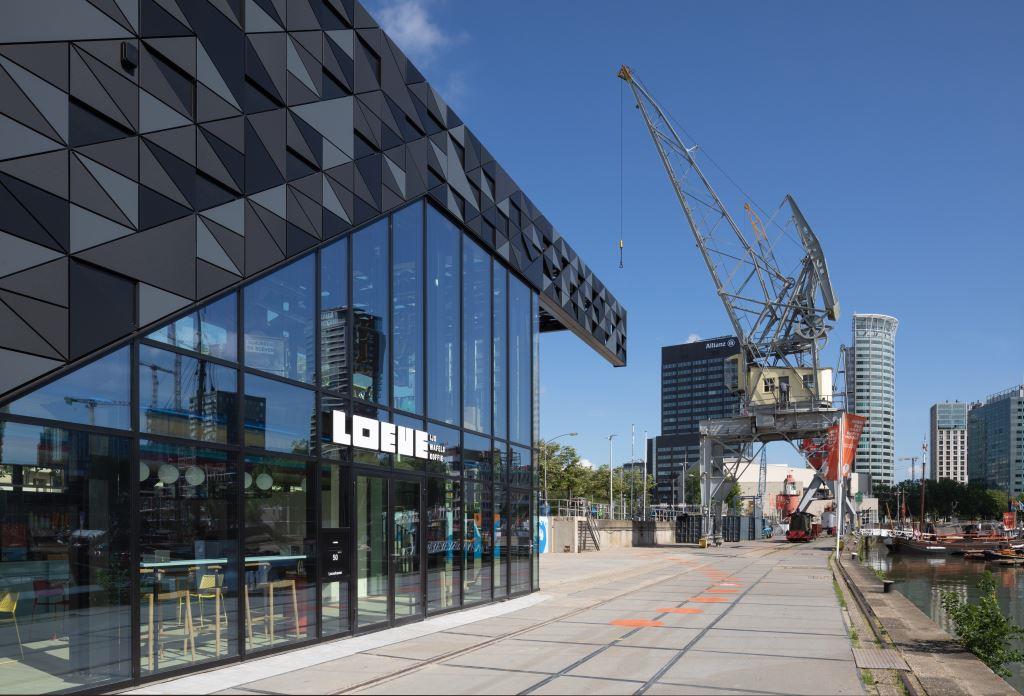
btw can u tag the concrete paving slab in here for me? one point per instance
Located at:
(525, 656)
(331, 676)
(449, 679)
(563, 631)
(617, 662)
(664, 637)
(760, 674)
(773, 643)
(495, 627)
(817, 626)
(430, 647)
(587, 685)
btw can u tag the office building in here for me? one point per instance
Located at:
(995, 441)
(871, 392)
(269, 339)
(949, 444)
(694, 379)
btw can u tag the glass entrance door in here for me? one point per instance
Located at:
(407, 598)
(389, 545)
(372, 567)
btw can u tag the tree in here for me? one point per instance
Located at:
(693, 486)
(982, 628)
(732, 497)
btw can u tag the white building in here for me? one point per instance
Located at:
(949, 441)
(871, 392)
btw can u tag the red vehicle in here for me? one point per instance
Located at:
(802, 527)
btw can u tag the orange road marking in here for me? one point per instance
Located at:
(680, 610)
(709, 600)
(636, 622)
(721, 590)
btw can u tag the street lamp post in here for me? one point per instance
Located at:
(544, 461)
(611, 467)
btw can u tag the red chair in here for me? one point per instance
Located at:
(48, 595)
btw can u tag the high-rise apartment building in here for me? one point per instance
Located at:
(693, 388)
(871, 392)
(995, 433)
(949, 441)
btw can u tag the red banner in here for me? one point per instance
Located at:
(852, 427)
(1010, 520)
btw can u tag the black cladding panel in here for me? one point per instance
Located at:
(102, 308)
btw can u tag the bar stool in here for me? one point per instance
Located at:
(210, 586)
(158, 634)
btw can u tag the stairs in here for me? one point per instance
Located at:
(586, 536)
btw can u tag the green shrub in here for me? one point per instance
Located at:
(982, 628)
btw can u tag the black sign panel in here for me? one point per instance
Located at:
(334, 553)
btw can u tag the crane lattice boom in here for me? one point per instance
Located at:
(776, 315)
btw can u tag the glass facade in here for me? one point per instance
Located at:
(871, 392)
(207, 491)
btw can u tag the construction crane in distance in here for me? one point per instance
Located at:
(779, 299)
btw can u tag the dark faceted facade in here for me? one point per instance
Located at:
(270, 331)
(156, 152)
(694, 379)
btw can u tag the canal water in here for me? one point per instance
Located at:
(922, 579)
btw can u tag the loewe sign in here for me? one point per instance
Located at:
(370, 433)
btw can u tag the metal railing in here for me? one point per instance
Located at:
(581, 507)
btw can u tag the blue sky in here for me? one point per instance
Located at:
(897, 129)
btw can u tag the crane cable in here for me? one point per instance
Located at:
(622, 87)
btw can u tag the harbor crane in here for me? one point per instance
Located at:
(779, 299)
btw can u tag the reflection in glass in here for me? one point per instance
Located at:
(519, 471)
(278, 416)
(328, 448)
(372, 572)
(501, 532)
(443, 344)
(334, 317)
(185, 397)
(279, 322)
(64, 559)
(500, 460)
(405, 514)
(479, 542)
(477, 458)
(449, 440)
(500, 307)
(279, 591)
(476, 338)
(211, 330)
(96, 394)
(535, 558)
(368, 456)
(520, 542)
(444, 544)
(520, 376)
(535, 390)
(402, 461)
(335, 530)
(188, 548)
(407, 284)
(370, 271)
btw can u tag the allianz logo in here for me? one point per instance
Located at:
(381, 436)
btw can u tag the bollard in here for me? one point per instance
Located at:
(887, 585)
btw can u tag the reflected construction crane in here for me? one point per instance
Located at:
(779, 299)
